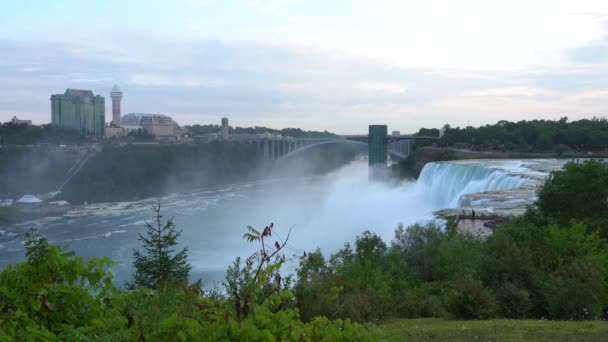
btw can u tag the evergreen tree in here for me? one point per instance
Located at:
(160, 264)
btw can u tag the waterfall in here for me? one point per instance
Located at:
(446, 183)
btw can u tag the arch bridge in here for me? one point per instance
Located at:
(379, 143)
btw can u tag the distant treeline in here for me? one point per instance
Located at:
(290, 132)
(558, 136)
(22, 134)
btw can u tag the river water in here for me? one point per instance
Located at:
(323, 211)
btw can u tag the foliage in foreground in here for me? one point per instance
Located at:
(57, 296)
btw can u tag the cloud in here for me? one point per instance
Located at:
(595, 52)
(286, 85)
(161, 80)
(521, 91)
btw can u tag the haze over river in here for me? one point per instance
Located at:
(325, 211)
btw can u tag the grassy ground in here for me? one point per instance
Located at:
(435, 329)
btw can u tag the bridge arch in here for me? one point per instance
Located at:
(394, 149)
(318, 143)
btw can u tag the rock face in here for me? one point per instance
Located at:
(495, 204)
(477, 227)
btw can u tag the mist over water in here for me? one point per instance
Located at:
(325, 212)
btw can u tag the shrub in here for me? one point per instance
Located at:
(421, 301)
(512, 301)
(52, 292)
(576, 291)
(471, 300)
(420, 246)
(578, 191)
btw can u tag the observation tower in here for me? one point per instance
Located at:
(116, 95)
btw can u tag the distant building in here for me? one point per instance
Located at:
(205, 137)
(116, 95)
(114, 131)
(16, 121)
(79, 109)
(160, 125)
(224, 130)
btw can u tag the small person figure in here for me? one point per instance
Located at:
(473, 214)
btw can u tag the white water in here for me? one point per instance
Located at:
(445, 183)
(325, 212)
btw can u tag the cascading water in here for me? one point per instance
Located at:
(446, 183)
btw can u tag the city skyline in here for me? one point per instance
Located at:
(314, 65)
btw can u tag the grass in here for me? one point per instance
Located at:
(436, 329)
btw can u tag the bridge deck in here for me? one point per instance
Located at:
(358, 137)
(391, 137)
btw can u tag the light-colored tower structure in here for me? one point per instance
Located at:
(116, 95)
(224, 130)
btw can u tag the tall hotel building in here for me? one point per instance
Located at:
(79, 109)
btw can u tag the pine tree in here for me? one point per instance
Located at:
(160, 265)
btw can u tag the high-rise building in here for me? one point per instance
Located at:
(116, 95)
(79, 109)
(224, 128)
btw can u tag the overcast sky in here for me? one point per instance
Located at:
(335, 65)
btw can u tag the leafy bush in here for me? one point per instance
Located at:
(361, 285)
(52, 292)
(471, 300)
(459, 256)
(578, 191)
(512, 302)
(56, 295)
(576, 291)
(422, 301)
(420, 246)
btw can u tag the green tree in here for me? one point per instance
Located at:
(246, 285)
(578, 191)
(53, 293)
(160, 265)
(420, 246)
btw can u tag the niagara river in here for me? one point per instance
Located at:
(322, 211)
